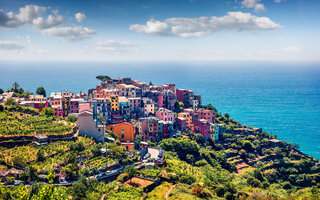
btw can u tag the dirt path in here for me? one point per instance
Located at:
(167, 195)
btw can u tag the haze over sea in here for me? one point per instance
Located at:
(281, 98)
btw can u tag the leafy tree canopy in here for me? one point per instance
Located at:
(41, 91)
(103, 78)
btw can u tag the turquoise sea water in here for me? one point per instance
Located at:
(281, 98)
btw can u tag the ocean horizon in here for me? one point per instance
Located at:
(282, 98)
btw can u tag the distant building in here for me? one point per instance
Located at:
(165, 130)
(188, 118)
(182, 124)
(165, 115)
(205, 114)
(129, 90)
(202, 126)
(188, 98)
(148, 106)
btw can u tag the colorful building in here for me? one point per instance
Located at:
(135, 103)
(202, 126)
(148, 106)
(89, 127)
(148, 129)
(125, 132)
(129, 90)
(105, 93)
(165, 115)
(182, 124)
(188, 118)
(165, 130)
(206, 114)
(114, 100)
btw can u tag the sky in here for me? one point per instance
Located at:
(160, 30)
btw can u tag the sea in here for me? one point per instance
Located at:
(283, 98)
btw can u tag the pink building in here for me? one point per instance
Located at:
(148, 129)
(84, 107)
(58, 111)
(105, 85)
(74, 105)
(135, 102)
(182, 124)
(166, 115)
(205, 114)
(202, 126)
(106, 93)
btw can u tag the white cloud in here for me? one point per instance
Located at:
(51, 21)
(292, 49)
(70, 33)
(10, 46)
(80, 17)
(153, 27)
(198, 27)
(26, 15)
(116, 46)
(253, 4)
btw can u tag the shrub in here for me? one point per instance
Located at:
(10, 102)
(287, 185)
(47, 111)
(254, 182)
(71, 118)
(187, 179)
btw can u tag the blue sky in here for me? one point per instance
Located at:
(182, 30)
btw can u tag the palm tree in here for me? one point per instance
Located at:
(15, 86)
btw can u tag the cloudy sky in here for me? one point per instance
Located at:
(155, 30)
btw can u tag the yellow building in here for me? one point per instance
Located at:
(187, 117)
(114, 103)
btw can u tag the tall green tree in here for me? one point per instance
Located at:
(1, 91)
(41, 91)
(15, 86)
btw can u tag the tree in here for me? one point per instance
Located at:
(210, 107)
(1, 108)
(10, 102)
(227, 115)
(40, 155)
(138, 141)
(15, 86)
(131, 171)
(103, 78)
(41, 91)
(71, 118)
(1, 91)
(47, 111)
(32, 174)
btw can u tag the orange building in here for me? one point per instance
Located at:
(187, 117)
(125, 132)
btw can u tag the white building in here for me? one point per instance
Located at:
(88, 127)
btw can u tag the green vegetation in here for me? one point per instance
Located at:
(15, 121)
(243, 165)
(41, 91)
(103, 78)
